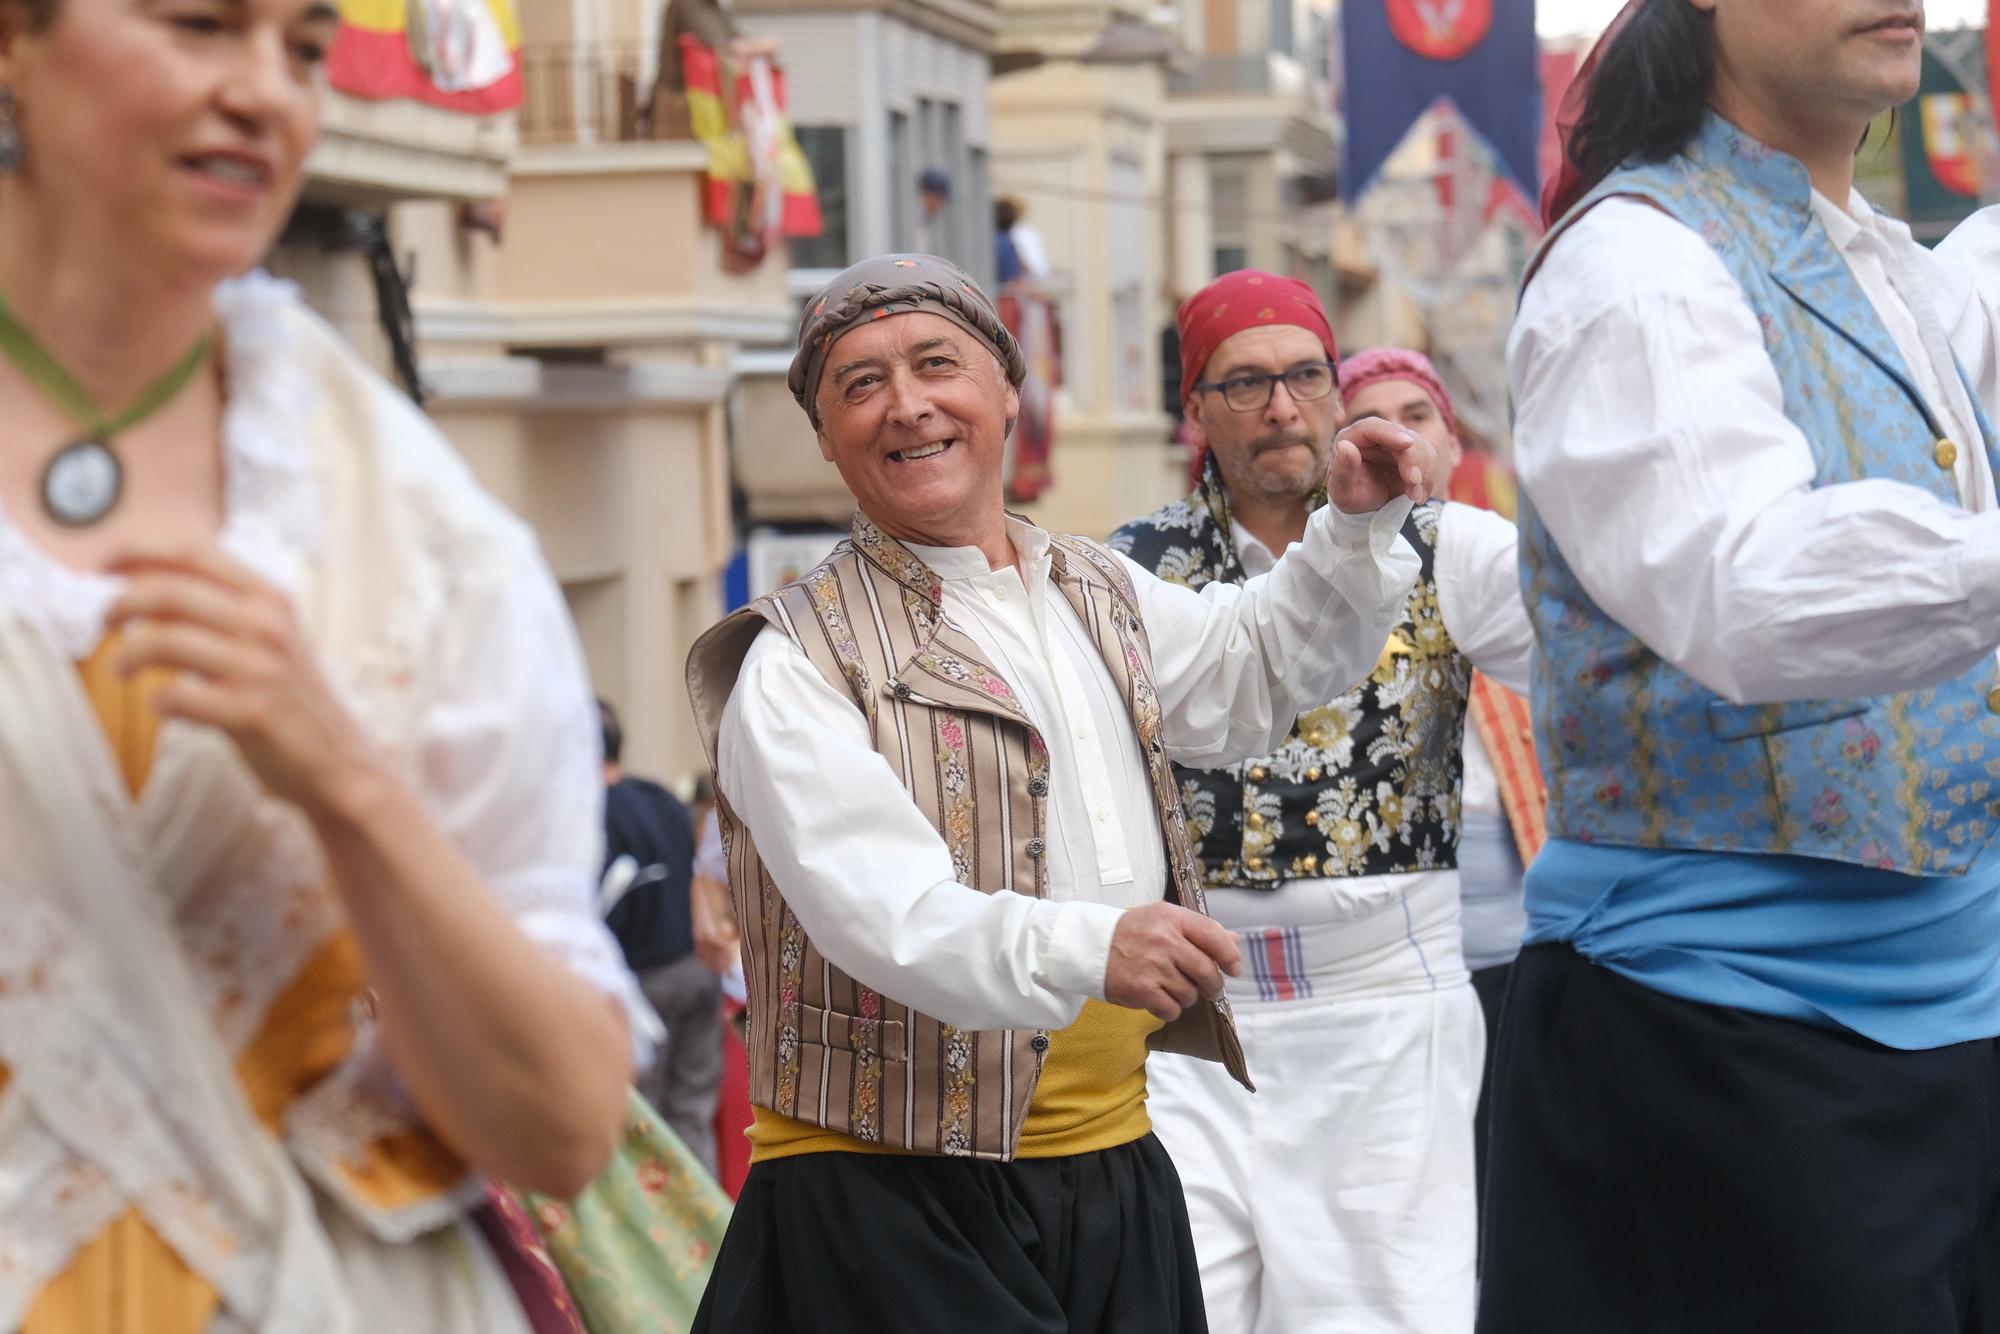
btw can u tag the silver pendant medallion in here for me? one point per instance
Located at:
(82, 483)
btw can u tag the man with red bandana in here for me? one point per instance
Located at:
(1341, 1197)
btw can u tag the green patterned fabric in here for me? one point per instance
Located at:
(637, 1246)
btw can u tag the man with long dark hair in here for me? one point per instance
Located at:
(1747, 1078)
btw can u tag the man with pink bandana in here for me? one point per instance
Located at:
(1502, 793)
(1341, 1197)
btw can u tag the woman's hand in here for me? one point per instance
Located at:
(1374, 461)
(239, 665)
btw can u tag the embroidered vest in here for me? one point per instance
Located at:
(825, 1048)
(1638, 753)
(1368, 784)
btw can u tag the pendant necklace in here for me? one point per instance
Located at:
(83, 481)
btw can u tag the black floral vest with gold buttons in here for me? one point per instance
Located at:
(1368, 784)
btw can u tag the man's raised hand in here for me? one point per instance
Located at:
(1165, 959)
(1374, 461)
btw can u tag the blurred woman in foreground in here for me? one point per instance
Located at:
(298, 782)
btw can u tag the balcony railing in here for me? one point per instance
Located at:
(596, 94)
(1260, 74)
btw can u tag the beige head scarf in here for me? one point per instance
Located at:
(895, 285)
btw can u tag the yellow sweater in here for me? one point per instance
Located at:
(1091, 1096)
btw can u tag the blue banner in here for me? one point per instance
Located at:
(1402, 56)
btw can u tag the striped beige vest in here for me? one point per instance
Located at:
(824, 1048)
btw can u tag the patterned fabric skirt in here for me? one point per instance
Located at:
(634, 1250)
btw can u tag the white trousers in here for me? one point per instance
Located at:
(1338, 1198)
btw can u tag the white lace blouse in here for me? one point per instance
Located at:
(437, 621)
(507, 747)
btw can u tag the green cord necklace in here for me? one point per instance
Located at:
(83, 481)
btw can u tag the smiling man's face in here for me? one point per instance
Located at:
(913, 412)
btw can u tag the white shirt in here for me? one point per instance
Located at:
(1479, 598)
(1028, 245)
(872, 882)
(1965, 270)
(1894, 272)
(1650, 432)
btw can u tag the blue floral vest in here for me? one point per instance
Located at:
(1636, 752)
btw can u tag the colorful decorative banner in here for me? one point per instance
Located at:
(1950, 120)
(1993, 56)
(1440, 29)
(1403, 56)
(756, 156)
(1941, 150)
(460, 55)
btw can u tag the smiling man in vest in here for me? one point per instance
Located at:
(968, 898)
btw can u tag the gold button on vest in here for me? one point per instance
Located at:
(1993, 700)
(1946, 455)
(1255, 821)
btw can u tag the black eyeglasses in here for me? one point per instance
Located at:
(1251, 393)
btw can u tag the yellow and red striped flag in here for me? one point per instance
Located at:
(461, 55)
(729, 162)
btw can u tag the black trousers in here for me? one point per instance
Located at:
(845, 1243)
(1663, 1167)
(1490, 985)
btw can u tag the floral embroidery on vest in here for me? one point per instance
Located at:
(966, 672)
(954, 761)
(1367, 784)
(867, 1113)
(791, 973)
(824, 589)
(955, 1114)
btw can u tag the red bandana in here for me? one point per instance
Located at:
(1243, 300)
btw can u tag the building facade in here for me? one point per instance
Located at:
(577, 343)
(880, 92)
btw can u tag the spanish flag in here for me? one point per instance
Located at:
(729, 161)
(461, 55)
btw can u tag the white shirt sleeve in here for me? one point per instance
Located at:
(1479, 594)
(870, 880)
(1235, 664)
(1650, 435)
(508, 764)
(1966, 285)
